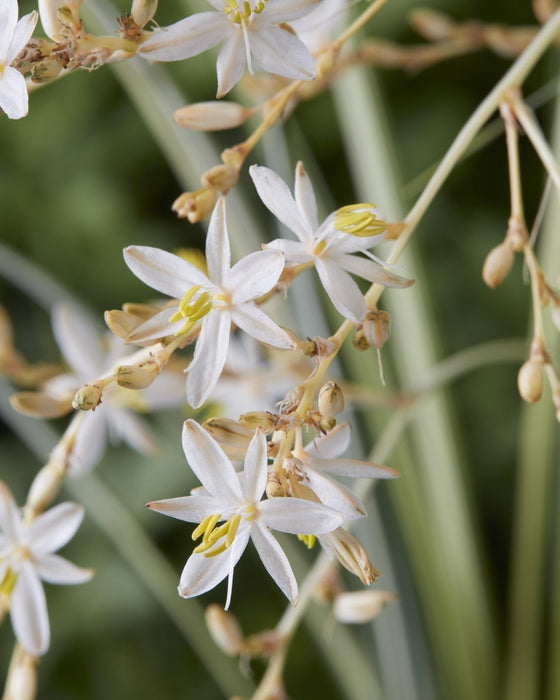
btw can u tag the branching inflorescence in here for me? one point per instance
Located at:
(289, 449)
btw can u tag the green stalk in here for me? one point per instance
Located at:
(432, 507)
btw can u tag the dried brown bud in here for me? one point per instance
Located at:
(220, 178)
(497, 265)
(330, 399)
(211, 116)
(195, 206)
(530, 380)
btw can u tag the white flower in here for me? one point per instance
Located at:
(14, 36)
(329, 246)
(225, 296)
(26, 557)
(318, 27)
(323, 455)
(235, 500)
(115, 419)
(255, 27)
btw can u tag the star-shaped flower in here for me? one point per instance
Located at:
(251, 28)
(26, 557)
(324, 455)
(117, 418)
(14, 35)
(235, 500)
(328, 247)
(226, 295)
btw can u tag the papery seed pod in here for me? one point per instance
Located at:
(224, 630)
(330, 399)
(87, 398)
(220, 178)
(211, 116)
(143, 11)
(530, 380)
(361, 606)
(497, 265)
(351, 554)
(377, 328)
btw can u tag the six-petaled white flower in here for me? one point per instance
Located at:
(117, 418)
(235, 501)
(253, 27)
(26, 557)
(226, 295)
(323, 455)
(329, 246)
(14, 35)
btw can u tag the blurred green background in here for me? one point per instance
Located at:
(82, 176)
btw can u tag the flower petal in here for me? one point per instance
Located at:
(209, 357)
(28, 611)
(342, 290)
(191, 509)
(280, 52)
(255, 275)
(8, 21)
(13, 94)
(277, 197)
(22, 33)
(371, 271)
(298, 516)
(126, 426)
(163, 271)
(355, 468)
(186, 38)
(336, 495)
(275, 561)
(202, 573)
(10, 518)
(78, 340)
(210, 464)
(255, 470)
(295, 251)
(305, 197)
(54, 528)
(231, 63)
(156, 327)
(333, 444)
(258, 325)
(279, 11)
(90, 443)
(55, 569)
(218, 253)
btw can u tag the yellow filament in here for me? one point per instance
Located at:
(192, 312)
(359, 220)
(308, 540)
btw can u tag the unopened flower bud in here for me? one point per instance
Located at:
(44, 488)
(45, 71)
(530, 380)
(195, 206)
(497, 265)
(330, 399)
(136, 376)
(224, 630)
(351, 554)
(87, 398)
(22, 679)
(211, 116)
(220, 178)
(143, 11)
(259, 419)
(361, 606)
(49, 14)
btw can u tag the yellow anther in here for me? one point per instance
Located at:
(234, 524)
(320, 247)
(308, 540)
(192, 312)
(206, 526)
(236, 17)
(211, 534)
(7, 585)
(359, 220)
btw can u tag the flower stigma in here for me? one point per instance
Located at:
(210, 545)
(359, 220)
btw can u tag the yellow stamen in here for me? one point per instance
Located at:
(308, 540)
(359, 220)
(243, 15)
(7, 585)
(320, 247)
(206, 526)
(212, 534)
(192, 312)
